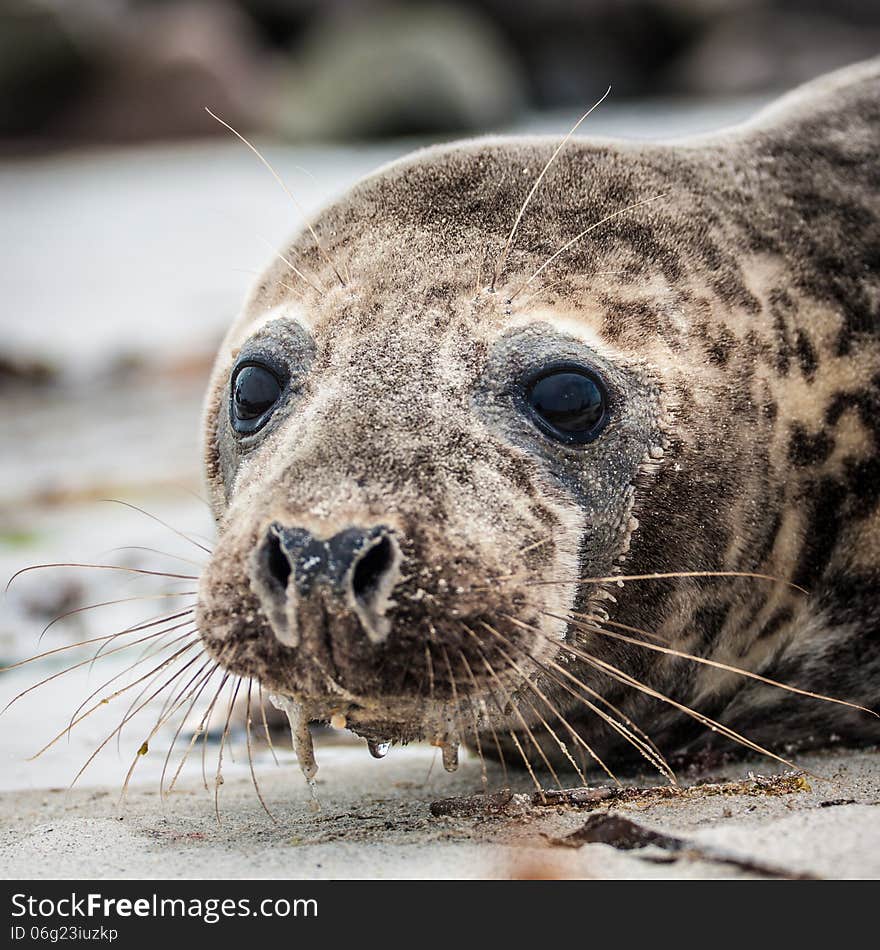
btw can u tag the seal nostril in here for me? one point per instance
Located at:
(277, 562)
(270, 570)
(371, 568)
(295, 574)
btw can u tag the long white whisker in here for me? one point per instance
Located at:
(502, 259)
(578, 237)
(596, 628)
(284, 187)
(158, 520)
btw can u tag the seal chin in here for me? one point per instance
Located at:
(307, 584)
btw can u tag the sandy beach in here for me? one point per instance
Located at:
(376, 822)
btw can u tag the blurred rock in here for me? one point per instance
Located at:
(755, 47)
(572, 51)
(138, 70)
(158, 66)
(42, 67)
(392, 68)
(17, 370)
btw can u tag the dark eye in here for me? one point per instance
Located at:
(255, 391)
(568, 403)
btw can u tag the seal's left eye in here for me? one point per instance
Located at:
(255, 391)
(568, 403)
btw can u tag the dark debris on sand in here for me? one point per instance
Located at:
(506, 803)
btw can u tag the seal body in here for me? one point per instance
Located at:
(723, 296)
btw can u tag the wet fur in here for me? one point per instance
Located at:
(738, 322)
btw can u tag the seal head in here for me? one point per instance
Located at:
(430, 457)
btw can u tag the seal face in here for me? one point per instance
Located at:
(448, 459)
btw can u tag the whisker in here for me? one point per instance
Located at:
(218, 777)
(545, 289)
(512, 735)
(266, 723)
(78, 719)
(153, 650)
(83, 643)
(563, 748)
(153, 646)
(499, 266)
(533, 546)
(578, 237)
(314, 284)
(522, 720)
(250, 753)
(484, 777)
(131, 715)
(290, 287)
(528, 764)
(101, 567)
(130, 667)
(150, 652)
(707, 721)
(140, 547)
(198, 732)
(592, 618)
(498, 748)
(184, 718)
(516, 711)
(665, 575)
(549, 703)
(160, 633)
(112, 603)
(158, 520)
(163, 717)
(284, 187)
(207, 729)
(641, 743)
(199, 497)
(601, 699)
(713, 663)
(77, 666)
(168, 704)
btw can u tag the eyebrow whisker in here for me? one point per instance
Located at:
(284, 187)
(502, 259)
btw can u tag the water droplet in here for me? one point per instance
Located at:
(378, 749)
(337, 720)
(450, 756)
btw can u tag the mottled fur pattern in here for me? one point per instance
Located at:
(736, 321)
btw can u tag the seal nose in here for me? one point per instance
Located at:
(353, 571)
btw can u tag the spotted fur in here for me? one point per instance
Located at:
(736, 322)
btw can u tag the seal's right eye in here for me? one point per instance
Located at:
(256, 390)
(568, 402)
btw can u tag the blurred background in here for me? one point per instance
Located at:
(133, 223)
